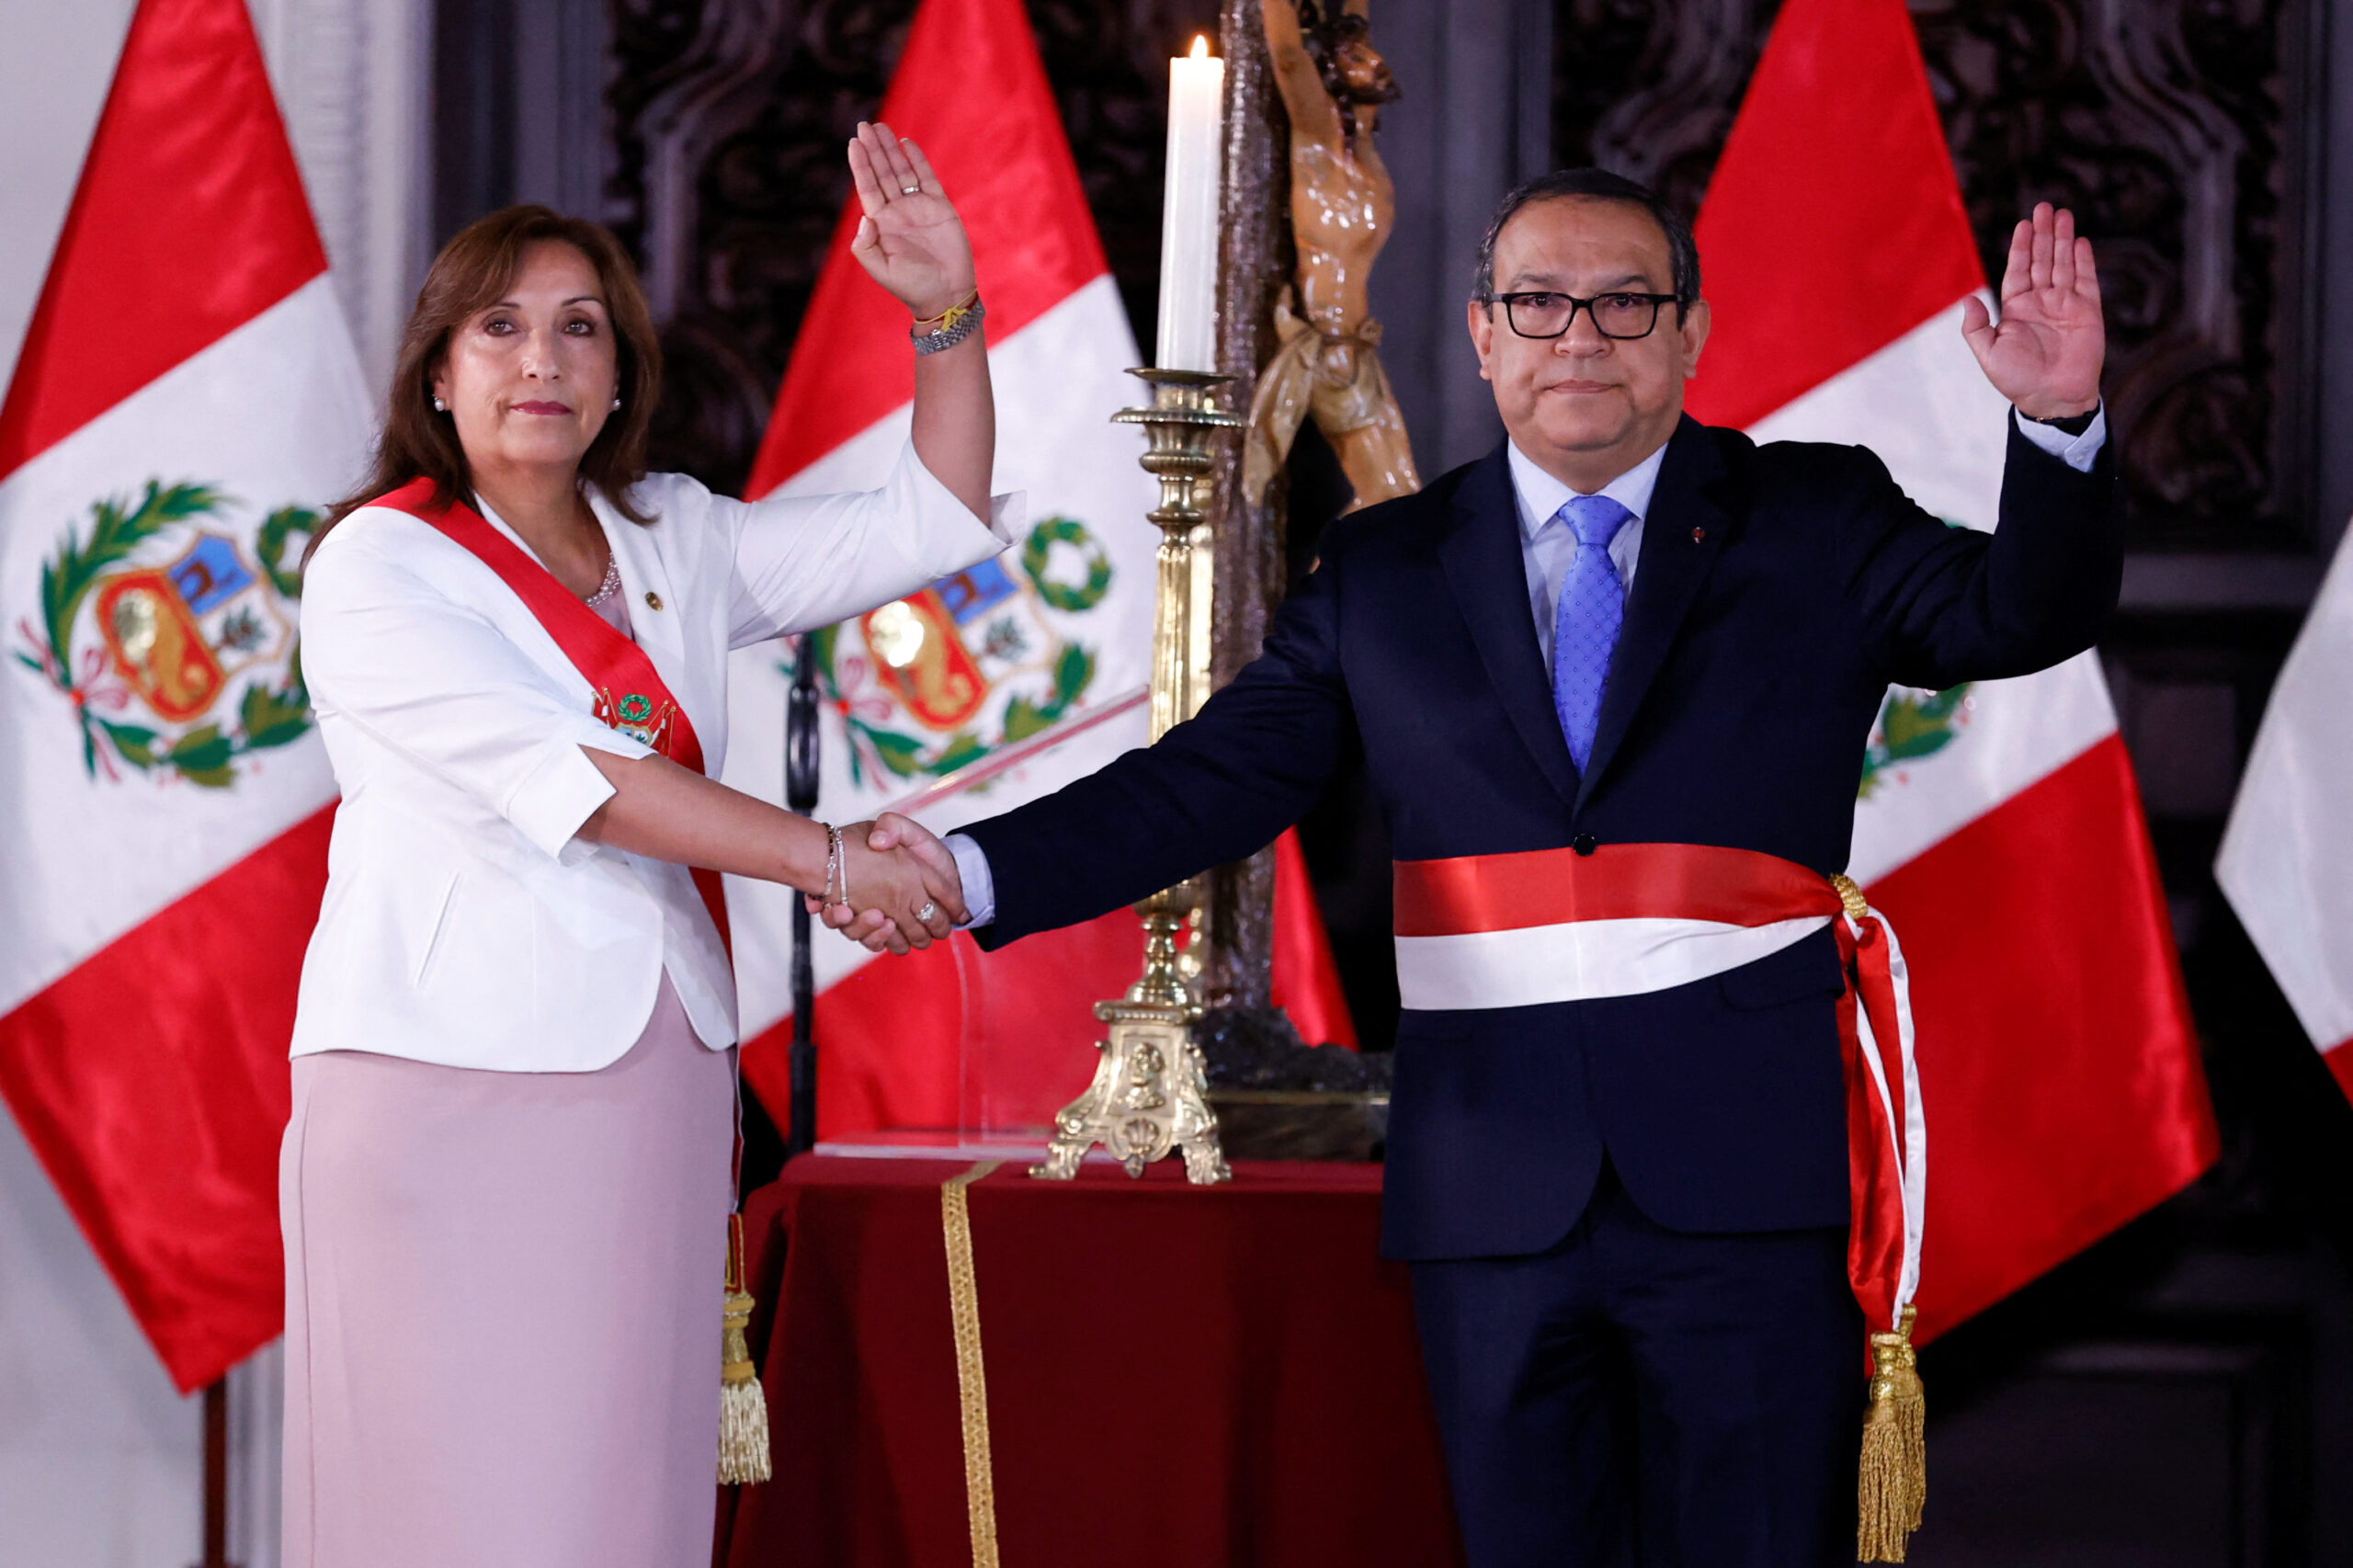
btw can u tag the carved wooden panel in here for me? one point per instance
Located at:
(2178, 129)
(728, 119)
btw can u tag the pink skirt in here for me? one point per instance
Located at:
(502, 1309)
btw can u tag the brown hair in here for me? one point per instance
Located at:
(475, 269)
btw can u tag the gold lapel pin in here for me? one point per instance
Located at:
(653, 599)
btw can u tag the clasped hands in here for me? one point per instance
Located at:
(893, 870)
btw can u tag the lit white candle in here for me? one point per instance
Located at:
(1188, 222)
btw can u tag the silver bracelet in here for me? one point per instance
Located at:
(833, 863)
(945, 338)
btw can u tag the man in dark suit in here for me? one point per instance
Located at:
(1626, 1213)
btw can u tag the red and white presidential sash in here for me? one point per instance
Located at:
(631, 695)
(1557, 926)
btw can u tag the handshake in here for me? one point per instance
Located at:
(898, 887)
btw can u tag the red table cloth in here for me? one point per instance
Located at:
(1178, 1377)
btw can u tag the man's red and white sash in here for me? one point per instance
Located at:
(1547, 925)
(1555, 925)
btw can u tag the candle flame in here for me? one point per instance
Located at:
(1201, 46)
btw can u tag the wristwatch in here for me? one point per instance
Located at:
(2074, 423)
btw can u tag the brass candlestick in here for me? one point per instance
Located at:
(1149, 1096)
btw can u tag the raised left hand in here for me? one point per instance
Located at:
(2045, 353)
(910, 240)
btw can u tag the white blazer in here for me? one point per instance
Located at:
(463, 923)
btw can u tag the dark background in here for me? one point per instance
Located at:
(2182, 1394)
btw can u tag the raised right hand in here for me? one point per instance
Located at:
(2046, 352)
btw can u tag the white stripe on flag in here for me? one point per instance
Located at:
(1926, 410)
(1923, 406)
(2287, 858)
(1059, 381)
(273, 414)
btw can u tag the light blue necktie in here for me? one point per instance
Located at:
(1586, 621)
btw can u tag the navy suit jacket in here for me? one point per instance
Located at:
(1780, 589)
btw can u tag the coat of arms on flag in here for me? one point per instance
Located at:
(185, 395)
(168, 624)
(1913, 724)
(983, 659)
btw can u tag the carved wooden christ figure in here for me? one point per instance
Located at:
(1341, 208)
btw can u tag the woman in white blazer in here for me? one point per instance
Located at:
(507, 1180)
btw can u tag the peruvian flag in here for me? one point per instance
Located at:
(2287, 858)
(1002, 683)
(1999, 827)
(185, 402)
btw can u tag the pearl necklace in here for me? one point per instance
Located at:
(612, 583)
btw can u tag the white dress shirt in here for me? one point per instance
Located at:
(1547, 544)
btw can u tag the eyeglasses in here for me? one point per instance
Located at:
(1619, 316)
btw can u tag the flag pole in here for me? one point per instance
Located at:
(216, 1475)
(800, 794)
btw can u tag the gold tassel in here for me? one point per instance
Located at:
(1894, 1479)
(742, 1405)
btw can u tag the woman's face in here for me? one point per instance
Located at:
(529, 380)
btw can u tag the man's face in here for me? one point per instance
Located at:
(1366, 73)
(1582, 404)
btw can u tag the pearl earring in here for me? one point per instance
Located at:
(440, 407)
(617, 402)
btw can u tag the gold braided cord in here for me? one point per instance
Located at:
(971, 1380)
(1851, 895)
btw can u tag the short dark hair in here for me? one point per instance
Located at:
(1597, 185)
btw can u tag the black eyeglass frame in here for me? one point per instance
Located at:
(1657, 303)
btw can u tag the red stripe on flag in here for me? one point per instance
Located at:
(895, 1040)
(2061, 1076)
(189, 220)
(1305, 983)
(1832, 224)
(2340, 1058)
(970, 91)
(152, 1081)
(892, 1037)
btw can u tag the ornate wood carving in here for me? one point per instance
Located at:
(728, 120)
(2177, 129)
